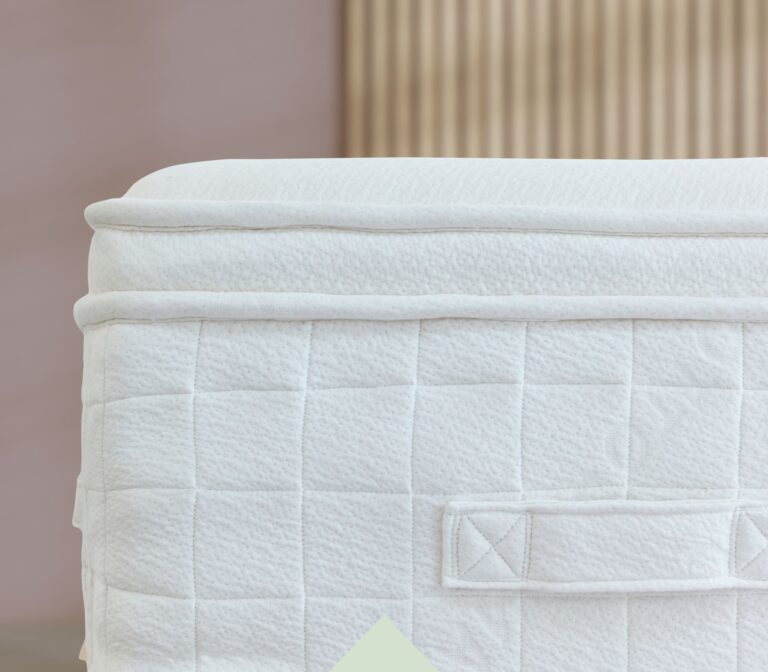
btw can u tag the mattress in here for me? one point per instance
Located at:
(517, 407)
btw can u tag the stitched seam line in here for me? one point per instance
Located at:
(195, 495)
(741, 416)
(311, 327)
(630, 387)
(528, 537)
(521, 456)
(737, 638)
(350, 388)
(732, 569)
(411, 475)
(628, 639)
(104, 498)
(97, 324)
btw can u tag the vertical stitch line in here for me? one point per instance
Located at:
(411, 497)
(521, 466)
(738, 638)
(456, 542)
(735, 517)
(628, 480)
(104, 495)
(520, 631)
(528, 538)
(627, 634)
(630, 394)
(194, 494)
(301, 498)
(741, 416)
(521, 460)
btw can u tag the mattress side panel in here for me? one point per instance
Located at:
(476, 263)
(260, 492)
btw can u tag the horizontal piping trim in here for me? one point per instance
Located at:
(157, 306)
(605, 546)
(163, 215)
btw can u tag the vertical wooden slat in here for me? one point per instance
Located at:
(355, 57)
(726, 94)
(749, 119)
(704, 101)
(612, 78)
(762, 79)
(588, 79)
(380, 142)
(565, 93)
(613, 75)
(427, 79)
(474, 76)
(633, 78)
(450, 100)
(541, 105)
(520, 75)
(680, 55)
(495, 106)
(402, 89)
(658, 74)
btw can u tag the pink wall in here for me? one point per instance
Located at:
(94, 95)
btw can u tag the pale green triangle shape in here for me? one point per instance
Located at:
(384, 649)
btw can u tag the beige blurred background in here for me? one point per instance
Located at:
(96, 93)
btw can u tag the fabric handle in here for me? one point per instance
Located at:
(605, 547)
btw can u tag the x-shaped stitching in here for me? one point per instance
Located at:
(492, 546)
(753, 560)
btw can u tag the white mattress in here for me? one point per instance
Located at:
(519, 407)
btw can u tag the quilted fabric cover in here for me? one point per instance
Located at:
(459, 413)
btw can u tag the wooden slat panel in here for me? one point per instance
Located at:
(355, 82)
(567, 78)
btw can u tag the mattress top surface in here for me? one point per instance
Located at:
(699, 184)
(487, 228)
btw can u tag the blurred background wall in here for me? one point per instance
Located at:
(93, 95)
(634, 79)
(97, 93)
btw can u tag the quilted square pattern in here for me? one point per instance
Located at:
(753, 467)
(362, 354)
(672, 633)
(589, 352)
(251, 356)
(589, 631)
(233, 629)
(463, 352)
(261, 492)
(684, 437)
(752, 611)
(467, 438)
(358, 439)
(688, 354)
(446, 632)
(231, 559)
(149, 541)
(248, 440)
(156, 452)
(160, 631)
(756, 356)
(151, 359)
(333, 623)
(575, 436)
(357, 545)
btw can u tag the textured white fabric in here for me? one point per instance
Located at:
(265, 473)
(609, 547)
